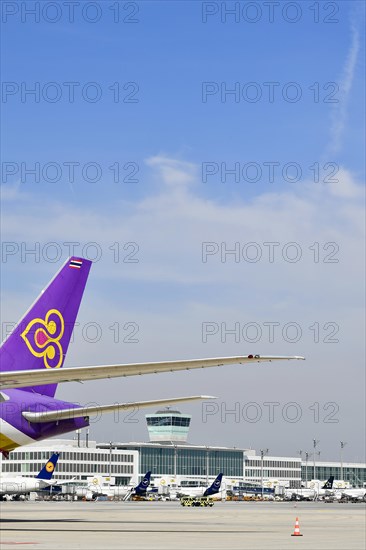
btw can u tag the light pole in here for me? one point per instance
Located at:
(343, 444)
(175, 463)
(318, 455)
(263, 452)
(207, 464)
(110, 459)
(315, 442)
(307, 456)
(300, 454)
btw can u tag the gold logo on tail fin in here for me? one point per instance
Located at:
(43, 336)
(50, 467)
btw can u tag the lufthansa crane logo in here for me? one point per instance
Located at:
(49, 467)
(43, 336)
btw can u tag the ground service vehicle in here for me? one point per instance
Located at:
(196, 501)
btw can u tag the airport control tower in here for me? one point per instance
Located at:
(168, 425)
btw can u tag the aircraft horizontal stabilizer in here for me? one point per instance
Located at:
(64, 482)
(67, 414)
(24, 378)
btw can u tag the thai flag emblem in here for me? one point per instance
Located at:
(76, 264)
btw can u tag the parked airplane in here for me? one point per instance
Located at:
(20, 485)
(201, 491)
(32, 356)
(95, 489)
(310, 493)
(352, 494)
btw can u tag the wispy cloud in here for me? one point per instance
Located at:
(171, 223)
(173, 172)
(340, 110)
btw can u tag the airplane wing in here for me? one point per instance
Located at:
(75, 412)
(54, 482)
(24, 378)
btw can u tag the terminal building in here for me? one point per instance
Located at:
(78, 459)
(171, 459)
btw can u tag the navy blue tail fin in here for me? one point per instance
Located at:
(49, 467)
(328, 484)
(143, 485)
(215, 487)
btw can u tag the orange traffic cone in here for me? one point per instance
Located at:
(297, 533)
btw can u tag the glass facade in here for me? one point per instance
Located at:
(355, 475)
(174, 460)
(167, 421)
(156, 460)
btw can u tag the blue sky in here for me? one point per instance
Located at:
(163, 138)
(169, 53)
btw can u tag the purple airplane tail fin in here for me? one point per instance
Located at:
(41, 338)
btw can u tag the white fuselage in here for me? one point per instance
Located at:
(20, 485)
(312, 492)
(191, 491)
(301, 493)
(354, 493)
